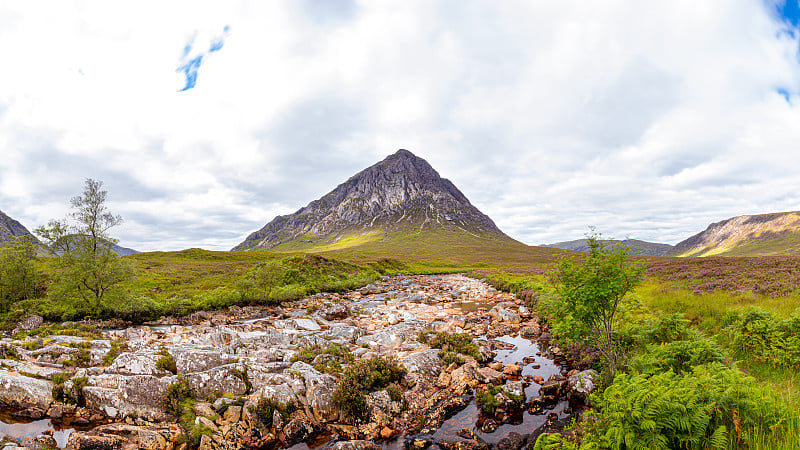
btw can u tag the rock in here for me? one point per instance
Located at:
(204, 409)
(515, 388)
(205, 442)
(227, 379)
(426, 362)
(151, 440)
(30, 413)
(513, 441)
(20, 392)
(319, 389)
(343, 334)
(529, 332)
(489, 426)
(41, 442)
(496, 365)
(333, 311)
(28, 322)
(200, 420)
(488, 375)
(196, 358)
(298, 430)
(143, 363)
(393, 319)
(79, 441)
(354, 445)
(140, 395)
(582, 382)
(307, 324)
(233, 414)
(386, 433)
(378, 401)
(536, 378)
(512, 370)
(56, 411)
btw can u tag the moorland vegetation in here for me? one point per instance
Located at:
(695, 353)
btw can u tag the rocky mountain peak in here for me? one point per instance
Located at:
(10, 228)
(399, 194)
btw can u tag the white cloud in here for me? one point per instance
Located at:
(645, 119)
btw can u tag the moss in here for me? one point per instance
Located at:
(82, 357)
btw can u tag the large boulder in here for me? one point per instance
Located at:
(333, 311)
(119, 395)
(21, 392)
(426, 362)
(319, 389)
(231, 379)
(138, 363)
(195, 358)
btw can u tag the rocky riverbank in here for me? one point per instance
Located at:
(232, 360)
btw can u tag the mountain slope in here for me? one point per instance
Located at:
(10, 228)
(636, 246)
(754, 235)
(399, 202)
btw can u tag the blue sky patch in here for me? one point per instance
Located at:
(790, 11)
(190, 66)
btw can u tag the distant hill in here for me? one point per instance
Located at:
(636, 246)
(753, 235)
(10, 229)
(121, 251)
(399, 206)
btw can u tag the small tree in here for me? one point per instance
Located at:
(592, 289)
(87, 265)
(19, 277)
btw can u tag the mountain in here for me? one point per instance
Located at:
(398, 204)
(754, 235)
(636, 246)
(10, 228)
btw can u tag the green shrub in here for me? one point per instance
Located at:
(487, 399)
(394, 393)
(451, 357)
(364, 377)
(176, 394)
(553, 441)
(73, 395)
(458, 343)
(166, 361)
(266, 407)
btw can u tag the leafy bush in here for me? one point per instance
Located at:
(364, 377)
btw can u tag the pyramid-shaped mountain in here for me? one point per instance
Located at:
(399, 198)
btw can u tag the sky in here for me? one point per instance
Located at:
(205, 120)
